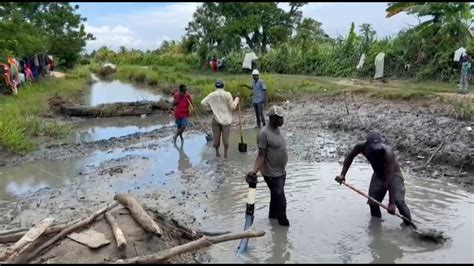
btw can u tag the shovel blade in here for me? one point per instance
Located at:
(244, 241)
(242, 147)
(209, 137)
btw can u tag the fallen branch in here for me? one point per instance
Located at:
(434, 153)
(138, 213)
(15, 235)
(30, 236)
(118, 233)
(204, 241)
(114, 109)
(345, 102)
(186, 232)
(63, 233)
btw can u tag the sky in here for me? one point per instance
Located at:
(145, 25)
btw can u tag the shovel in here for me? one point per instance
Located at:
(427, 235)
(208, 136)
(242, 145)
(249, 213)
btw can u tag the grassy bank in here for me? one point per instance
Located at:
(21, 121)
(287, 87)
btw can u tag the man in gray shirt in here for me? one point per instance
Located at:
(259, 97)
(271, 162)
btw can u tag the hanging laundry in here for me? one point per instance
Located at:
(361, 62)
(379, 65)
(248, 59)
(458, 54)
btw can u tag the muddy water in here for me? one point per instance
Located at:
(330, 223)
(106, 128)
(117, 91)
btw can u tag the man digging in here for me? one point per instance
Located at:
(387, 175)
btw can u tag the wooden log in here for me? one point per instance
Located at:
(15, 235)
(114, 109)
(30, 236)
(118, 233)
(63, 233)
(204, 241)
(186, 233)
(138, 213)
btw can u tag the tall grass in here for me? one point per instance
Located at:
(20, 120)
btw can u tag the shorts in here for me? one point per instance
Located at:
(219, 130)
(377, 189)
(181, 122)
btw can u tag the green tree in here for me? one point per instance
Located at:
(221, 26)
(48, 27)
(309, 31)
(367, 35)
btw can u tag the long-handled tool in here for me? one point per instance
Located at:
(208, 136)
(242, 145)
(429, 235)
(249, 212)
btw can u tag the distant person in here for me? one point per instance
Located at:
(465, 74)
(387, 175)
(181, 102)
(221, 104)
(259, 97)
(271, 163)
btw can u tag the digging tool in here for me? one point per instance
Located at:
(242, 145)
(428, 235)
(208, 136)
(249, 212)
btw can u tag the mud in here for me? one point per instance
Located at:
(67, 178)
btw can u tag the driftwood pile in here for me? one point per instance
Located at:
(31, 244)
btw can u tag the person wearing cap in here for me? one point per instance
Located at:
(271, 162)
(181, 102)
(221, 104)
(387, 175)
(259, 97)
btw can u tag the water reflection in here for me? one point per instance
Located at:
(382, 249)
(184, 162)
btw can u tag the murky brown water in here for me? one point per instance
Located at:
(116, 91)
(329, 223)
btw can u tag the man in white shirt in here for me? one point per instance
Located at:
(221, 104)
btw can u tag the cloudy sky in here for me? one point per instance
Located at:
(146, 25)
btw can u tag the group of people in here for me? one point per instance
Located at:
(272, 155)
(14, 72)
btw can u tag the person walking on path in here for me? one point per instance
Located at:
(259, 97)
(181, 102)
(221, 104)
(387, 175)
(271, 162)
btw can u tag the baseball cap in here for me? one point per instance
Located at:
(219, 84)
(276, 110)
(374, 139)
(255, 72)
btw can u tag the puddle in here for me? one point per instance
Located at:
(106, 128)
(329, 223)
(116, 91)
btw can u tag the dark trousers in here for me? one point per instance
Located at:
(277, 196)
(258, 107)
(377, 190)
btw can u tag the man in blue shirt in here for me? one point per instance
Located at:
(259, 97)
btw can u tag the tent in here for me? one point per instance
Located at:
(248, 59)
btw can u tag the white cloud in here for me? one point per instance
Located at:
(145, 29)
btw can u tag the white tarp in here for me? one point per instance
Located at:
(249, 57)
(458, 53)
(361, 62)
(379, 62)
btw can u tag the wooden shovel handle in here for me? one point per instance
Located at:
(374, 200)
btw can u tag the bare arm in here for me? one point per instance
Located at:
(350, 157)
(259, 161)
(205, 102)
(232, 103)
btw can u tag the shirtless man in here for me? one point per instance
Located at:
(387, 175)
